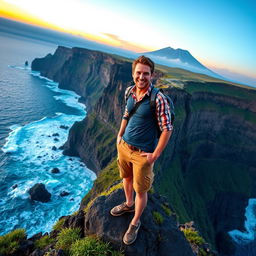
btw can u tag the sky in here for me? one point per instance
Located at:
(221, 34)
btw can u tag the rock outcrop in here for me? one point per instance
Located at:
(84, 71)
(159, 234)
(154, 239)
(39, 193)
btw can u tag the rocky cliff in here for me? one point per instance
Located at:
(207, 171)
(94, 231)
(84, 71)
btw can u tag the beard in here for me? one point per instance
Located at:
(141, 84)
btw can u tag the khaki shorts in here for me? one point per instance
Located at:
(132, 164)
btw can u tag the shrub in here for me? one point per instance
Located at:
(193, 237)
(66, 237)
(158, 218)
(92, 246)
(152, 190)
(59, 224)
(104, 193)
(167, 210)
(43, 242)
(10, 242)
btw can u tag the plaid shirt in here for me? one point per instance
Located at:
(162, 109)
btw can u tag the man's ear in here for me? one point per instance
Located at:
(153, 75)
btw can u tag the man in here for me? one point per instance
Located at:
(138, 145)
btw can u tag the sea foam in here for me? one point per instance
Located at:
(250, 225)
(34, 150)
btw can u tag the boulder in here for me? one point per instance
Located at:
(64, 127)
(39, 193)
(64, 193)
(55, 170)
(14, 186)
(154, 238)
(75, 221)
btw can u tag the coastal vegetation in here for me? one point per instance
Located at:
(10, 242)
(92, 246)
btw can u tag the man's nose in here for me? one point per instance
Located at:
(141, 76)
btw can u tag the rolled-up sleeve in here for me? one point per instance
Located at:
(126, 113)
(163, 113)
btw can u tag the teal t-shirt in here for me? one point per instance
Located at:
(141, 130)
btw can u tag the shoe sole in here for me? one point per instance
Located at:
(131, 242)
(116, 215)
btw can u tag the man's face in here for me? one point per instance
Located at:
(142, 76)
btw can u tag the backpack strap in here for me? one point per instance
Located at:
(134, 110)
(127, 93)
(153, 96)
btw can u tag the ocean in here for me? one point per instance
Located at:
(35, 117)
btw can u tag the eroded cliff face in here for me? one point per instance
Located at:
(84, 71)
(207, 171)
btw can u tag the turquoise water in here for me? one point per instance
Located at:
(32, 110)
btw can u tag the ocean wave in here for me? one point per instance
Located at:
(34, 151)
(244, 237)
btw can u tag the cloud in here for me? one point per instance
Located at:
(236, 76)
(123, 43)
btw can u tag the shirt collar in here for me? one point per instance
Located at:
(148, 91)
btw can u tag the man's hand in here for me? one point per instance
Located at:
(163, 140)
(119, 138)
(150, 157)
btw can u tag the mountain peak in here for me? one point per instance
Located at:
(179, 58)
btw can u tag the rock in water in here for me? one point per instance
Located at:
(54, 148)
(14, 186)
(64, 193)
(64, 127)
(39, 193)
(55, 170)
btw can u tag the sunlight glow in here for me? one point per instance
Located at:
(82, 19)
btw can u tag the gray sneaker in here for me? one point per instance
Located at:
(121, 209)
(131, 234)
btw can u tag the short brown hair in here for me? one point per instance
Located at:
(144, 60)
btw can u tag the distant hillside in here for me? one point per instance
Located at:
(181, 59)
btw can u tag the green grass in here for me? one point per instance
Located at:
(167, 210)
(43, 242)
(92, 246)
(104, 193)
(10, 242)
(193, 237)
(202, 105)
(171, 184)
(158, 217)
(222, 88)
(106, 178)
(66, 237)
(59, 224)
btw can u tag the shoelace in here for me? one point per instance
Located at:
(133, 228)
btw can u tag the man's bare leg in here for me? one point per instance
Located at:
(128, 190)
(140, 204)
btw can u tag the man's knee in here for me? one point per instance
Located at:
(141, 194)
(128, 179)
